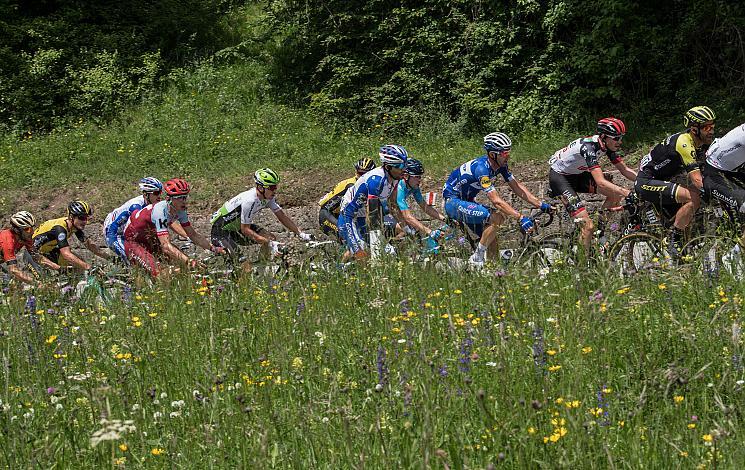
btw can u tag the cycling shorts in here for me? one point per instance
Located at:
(139, 255)
(327, 223)
(660, 193)
(469, 213)
(231, 240)
(566, 187)
(728, 187)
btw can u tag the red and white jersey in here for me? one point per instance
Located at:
(146, 224)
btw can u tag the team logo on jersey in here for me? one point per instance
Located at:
(485, 182)
(61, 237)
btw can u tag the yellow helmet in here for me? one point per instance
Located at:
(698, 115)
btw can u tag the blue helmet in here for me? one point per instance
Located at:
(393, 155)
(414, 167)
(497, 142)
(150, 185)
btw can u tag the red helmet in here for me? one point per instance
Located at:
(177, 187)
(611, 126)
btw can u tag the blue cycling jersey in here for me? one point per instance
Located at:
(403, 192)
(472, 177)
(372, 185)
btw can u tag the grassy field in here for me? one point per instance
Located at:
(380, 368)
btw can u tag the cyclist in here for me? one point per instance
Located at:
(113, 226)
(18, 236)
(576, 169)
(409, 187)
(51, 239)
(474, 176)
(331, 202)
(367, 194)
(724, 171)
(146, 237)
(666, 159)
(232, 224)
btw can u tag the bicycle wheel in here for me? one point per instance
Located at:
(713, 253)
(550, 251)
(636, 252)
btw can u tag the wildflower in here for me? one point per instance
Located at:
(51, 339)
(683, 453)
(531, 430)
(554, 368)
(123, 447)
(157, 451)
(120, 461)
(691, 425)
(586, 350)
(457, 292)
(707, 438)
(297, 363)
(623, 290)
(551, 352)
(678, 399)
(112, 430)
(661, 286)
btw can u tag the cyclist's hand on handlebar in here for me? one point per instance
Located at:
(217, 249)
(546, 208)
(526, 224)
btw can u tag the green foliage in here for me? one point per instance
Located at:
(512, 65)
(89, 59)
(423, 369)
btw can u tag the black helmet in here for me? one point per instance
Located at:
(414, 167)
(79, 209)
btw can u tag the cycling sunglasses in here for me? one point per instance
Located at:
(273, 187)
(183, 198)
(707, 127)
(400, 166)
(617, 138)
(155, 193)
(82, 217)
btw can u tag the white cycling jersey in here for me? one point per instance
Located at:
(241, 209)
(728, 152)
(371, 185)
(130, 206)
(581, 155)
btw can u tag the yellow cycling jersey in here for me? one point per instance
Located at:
(667, 158)
(332, 200)
(52, 235)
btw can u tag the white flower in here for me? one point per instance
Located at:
(491, 364)
(157, 415)
(325, 419)
(177, 404)
(156, 402)
(59, 407)
(174, 414)
(401, 341)
(740, 382)
(164, 395)
(111, 430)
(135, 407)
(320, 337)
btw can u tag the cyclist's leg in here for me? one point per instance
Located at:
(565, 187)
(138, 255)
(352, 233)
(477, 219)
(728, 189)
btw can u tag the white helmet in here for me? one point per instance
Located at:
(150, 185)
(497, 142)
(22, 220)
(393, 155)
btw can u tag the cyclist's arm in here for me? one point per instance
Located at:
(246, 230)
(287, 222)
(176, 227)
(627, 172)
(502, 205)
(41, 259)
(523, 193)
(197, 238)
(73, 259)
(171, 251)
(607, 186)
(96, 250)
(18, 273)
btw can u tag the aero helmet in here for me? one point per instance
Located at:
(497, 142)
(393, 155)
(611, 126)
(79, 209)
(177, 187)
(22, 220)
(698, 115)
(150, 185)
(266, 177)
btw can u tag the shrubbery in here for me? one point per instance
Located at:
(516, 64)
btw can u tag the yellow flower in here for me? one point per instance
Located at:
(457, 291)
(678, 399)
(707, 437)
(691, 425)
(586, 350)
(559, 401)
(551, 352)
(120, 461)
(444, 315)
(661, 286)
(554, 437)
(607, 390)
(683, 453)
(51, 339)
(531, 430)
(157, 451)
(297, 363)
(623, 290)
(152, 314)
(554, 368)
(396, 330)
(189, 302)
(123, 447)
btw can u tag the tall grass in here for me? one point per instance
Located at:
(386, 368)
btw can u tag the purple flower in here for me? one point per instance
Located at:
(31, 304)
(382, 367)
(465, 355)
(51, 390)
(596, 296)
